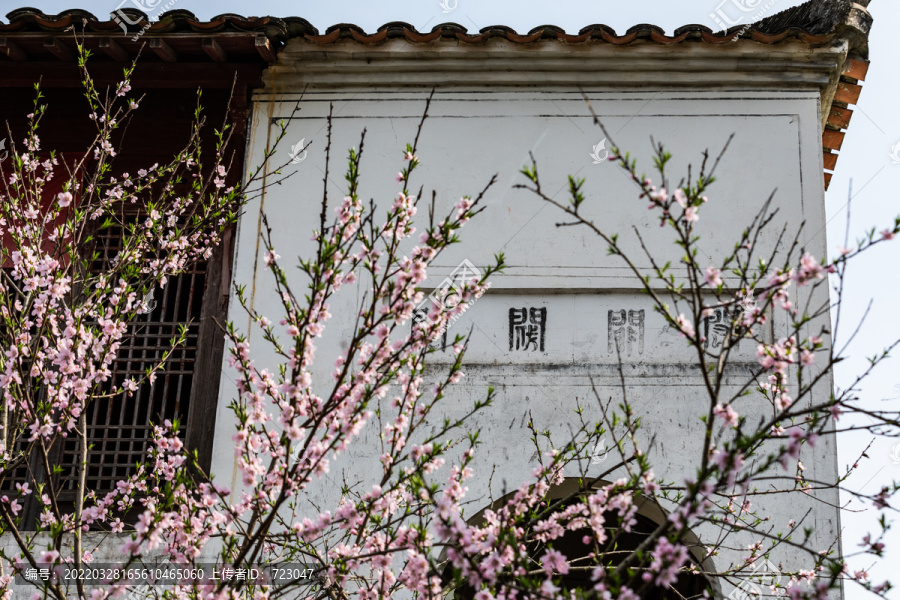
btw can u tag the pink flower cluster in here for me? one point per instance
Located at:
(64, 321)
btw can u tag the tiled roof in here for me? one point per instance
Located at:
(818, 17)
(24, 20)
(814, 22)
(591, 33)
(811, 22)
(826, 17)
(847, 94)
(30, 35)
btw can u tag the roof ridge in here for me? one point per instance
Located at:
(808, 22)
(820, 17)
(816, 16)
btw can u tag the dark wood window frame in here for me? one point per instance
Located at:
(116, 444)
(231, 83)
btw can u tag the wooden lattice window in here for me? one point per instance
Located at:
(119, 428)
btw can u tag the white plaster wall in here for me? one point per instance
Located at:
(472, 135)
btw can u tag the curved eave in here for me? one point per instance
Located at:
(821, 44)
(823, 63)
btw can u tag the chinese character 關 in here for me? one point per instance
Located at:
(527, 328)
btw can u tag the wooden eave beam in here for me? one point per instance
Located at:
(214, 50)
(113, 49)
(264, 47)
(163, 50)
(57, 48)
(10, 49)
(146, 75)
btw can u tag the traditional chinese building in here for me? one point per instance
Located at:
(560, 319)
(556, 321)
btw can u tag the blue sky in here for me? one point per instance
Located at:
(865, 159)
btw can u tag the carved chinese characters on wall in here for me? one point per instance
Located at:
(716, 328)
(527, 329)
(420, 315)
(519, 328)
(625, 331)
(446, 297)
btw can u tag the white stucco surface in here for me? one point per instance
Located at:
(475, 133)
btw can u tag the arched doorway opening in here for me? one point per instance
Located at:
(619, 544)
